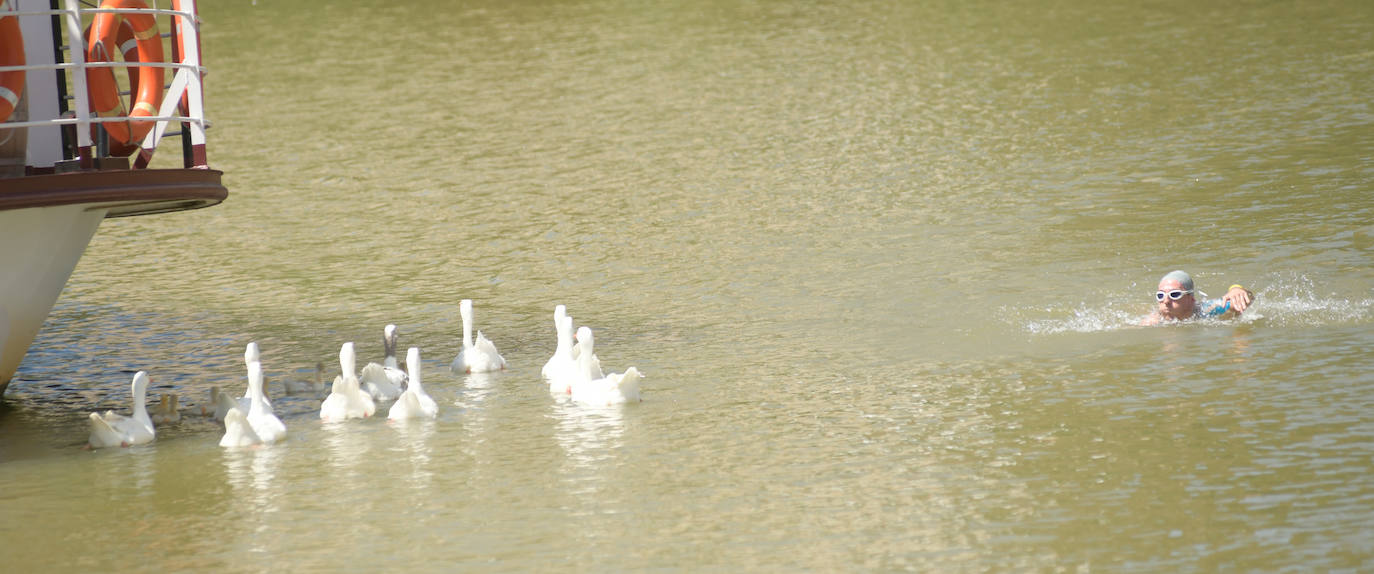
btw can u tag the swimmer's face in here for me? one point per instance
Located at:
(1171, 309)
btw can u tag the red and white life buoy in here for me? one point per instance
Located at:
(104, 91)
(11, 54)
(128, 46)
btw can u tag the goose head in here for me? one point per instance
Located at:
(584, 358)
(389, 340)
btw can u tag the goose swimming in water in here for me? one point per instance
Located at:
(374, 380)
(384, 381)
(414, 402)
(251, 355)
(346, 400)
(237, 431)
(265, 424)
(478, 356)
(612, 389)
(562, 370)
(562, 352)
(594, 368)
(112, 429)
(394, 372)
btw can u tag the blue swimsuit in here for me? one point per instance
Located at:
(1213, 308)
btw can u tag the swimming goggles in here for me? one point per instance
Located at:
(1176, 294)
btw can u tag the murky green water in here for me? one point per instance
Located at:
(881, 264)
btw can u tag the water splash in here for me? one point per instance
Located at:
(1293, 300)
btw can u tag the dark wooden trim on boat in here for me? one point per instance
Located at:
(122, 192)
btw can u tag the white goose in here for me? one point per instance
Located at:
(113, 429)
(252, 355)
(414, 403)
(594, 369)
(479, 356)
(374, 380)
(237, 431)
(563, 352)
(612, 389)
(346, 400)
(266, 425)
(562, 369)
(384, 381)
(394, 372)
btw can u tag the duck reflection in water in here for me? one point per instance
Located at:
(252, 472)
(590, 437)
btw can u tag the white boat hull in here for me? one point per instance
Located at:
(42, 246)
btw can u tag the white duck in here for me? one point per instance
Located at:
(563, 351)
(562, 369)
(113, 429)
(346, 400)
(384, 381)
(414, 402)
(479, 356)
(265, 424)
(393, 368)
(252, 355)
(237, 431)
(167, 409)
(612, 389)
(593, 370)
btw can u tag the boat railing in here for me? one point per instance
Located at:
(185, 87)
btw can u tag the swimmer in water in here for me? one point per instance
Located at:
(1176, 302)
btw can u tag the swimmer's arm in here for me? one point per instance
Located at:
(1239, 298)
(1151, 319)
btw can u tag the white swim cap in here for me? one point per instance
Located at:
(1183, 278)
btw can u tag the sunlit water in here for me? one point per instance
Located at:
(882, 264)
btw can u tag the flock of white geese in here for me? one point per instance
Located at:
(573, 371)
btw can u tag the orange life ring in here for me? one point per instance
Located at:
(129, 48)
(11, 54)
(104, 91)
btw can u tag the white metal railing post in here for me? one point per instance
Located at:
(186, 74)
(190, 43)
(72, 19)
